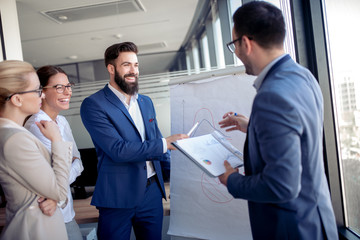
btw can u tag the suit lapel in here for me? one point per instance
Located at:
(144, 113)
(276, 65)
(246, 154)
(112, 98)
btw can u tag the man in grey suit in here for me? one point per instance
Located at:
(284, 183)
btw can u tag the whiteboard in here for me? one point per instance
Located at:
(201, 206)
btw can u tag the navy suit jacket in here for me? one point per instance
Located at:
(285, 182)
(122, 156)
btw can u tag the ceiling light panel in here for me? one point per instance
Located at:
(151, 46)
(94, 11)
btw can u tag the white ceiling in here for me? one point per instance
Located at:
(46, 42)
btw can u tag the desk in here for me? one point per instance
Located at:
(86, 213)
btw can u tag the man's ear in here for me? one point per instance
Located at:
(111, 68)
(247, 44)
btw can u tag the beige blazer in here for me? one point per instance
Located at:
(27, 171)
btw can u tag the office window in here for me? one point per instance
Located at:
(2, 47)
(233, 5)
(188, 63)
(284, 5)
(195, 53)
(86, 71)
(220, 58)
(71, 71)
(343, 51)
(205, 51)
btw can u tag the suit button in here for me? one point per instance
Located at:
(145, 167)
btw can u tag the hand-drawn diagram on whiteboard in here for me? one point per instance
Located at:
(201, 207)
(214, 190)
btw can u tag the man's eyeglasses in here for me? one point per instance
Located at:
(39, 91)
(231, 45)
(60, 88)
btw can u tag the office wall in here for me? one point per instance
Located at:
(10, 31)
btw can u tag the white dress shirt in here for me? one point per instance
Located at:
(135, 113)
(260, 78)
(76, 167)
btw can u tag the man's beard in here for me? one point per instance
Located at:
(248, 67)
(128, 88)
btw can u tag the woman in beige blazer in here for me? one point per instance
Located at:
(28, 173)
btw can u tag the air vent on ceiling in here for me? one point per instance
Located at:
(151, 46)
(94, 11)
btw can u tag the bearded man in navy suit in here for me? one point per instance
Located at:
(284, 183)
(131, 151)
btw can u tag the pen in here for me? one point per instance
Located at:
(193, 128)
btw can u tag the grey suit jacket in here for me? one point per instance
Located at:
(27, 171)
(285, 183)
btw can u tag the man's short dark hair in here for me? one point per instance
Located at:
(113, 51)
(262, 22)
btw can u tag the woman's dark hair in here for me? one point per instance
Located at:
(46, 72)
(113, 51)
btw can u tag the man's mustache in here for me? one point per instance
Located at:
(130, 75)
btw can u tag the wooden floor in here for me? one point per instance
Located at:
(86, 213)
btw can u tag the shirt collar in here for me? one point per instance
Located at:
(43, 115)
(122, 96)
(259, 80)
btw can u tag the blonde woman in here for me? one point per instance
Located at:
(28, 173)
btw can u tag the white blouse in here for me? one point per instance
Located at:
(76, 167)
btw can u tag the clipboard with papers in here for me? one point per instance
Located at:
(209, 152)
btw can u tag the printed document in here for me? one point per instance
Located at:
(209, 152)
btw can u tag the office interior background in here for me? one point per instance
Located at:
(187, 37)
